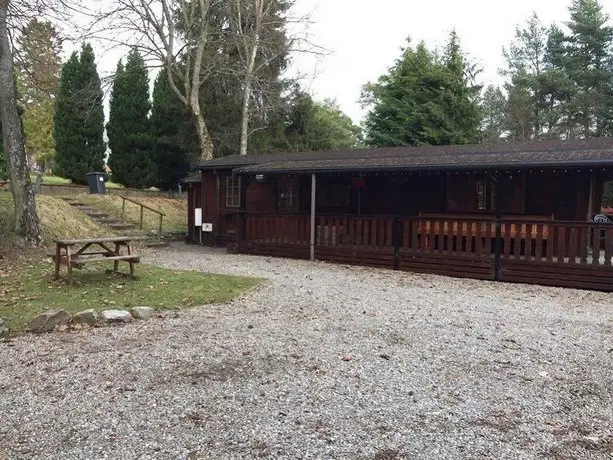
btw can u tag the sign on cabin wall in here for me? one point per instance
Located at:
(207, 227)
(198, 217)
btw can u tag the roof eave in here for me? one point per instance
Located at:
(442, 168)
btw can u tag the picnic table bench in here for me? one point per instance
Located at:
(75, 253)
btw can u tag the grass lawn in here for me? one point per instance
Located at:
(27, 289)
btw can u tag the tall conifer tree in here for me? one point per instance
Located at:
(79, 118)
(174, 148)
(128, 129)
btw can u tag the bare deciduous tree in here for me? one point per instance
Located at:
(26, 219)
(175, 33)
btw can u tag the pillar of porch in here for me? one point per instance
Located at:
(241, 221)
(313, 205)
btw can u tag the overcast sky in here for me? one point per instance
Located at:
(364, 38)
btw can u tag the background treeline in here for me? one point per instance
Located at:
(559, 85)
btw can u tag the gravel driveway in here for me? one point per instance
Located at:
(323, 361)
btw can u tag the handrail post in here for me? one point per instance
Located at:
(141, 217)
(123, 208)
(161, 219)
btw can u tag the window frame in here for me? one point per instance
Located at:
(289, 202)
(485, 195)
(233, 193)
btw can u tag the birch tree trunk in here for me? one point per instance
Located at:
(26, 219)
(247, 98)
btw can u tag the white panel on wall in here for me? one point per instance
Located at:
(198, 216)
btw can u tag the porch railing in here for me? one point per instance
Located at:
(508, 249)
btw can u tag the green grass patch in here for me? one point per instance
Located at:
(27, 289)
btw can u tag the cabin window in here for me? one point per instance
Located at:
(486, 195)
(233, 196)
(288, 196)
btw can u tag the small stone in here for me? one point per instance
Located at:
(347, 358)
(86, 317)
(116, 316)
(143, 313)
(48, 321)
(385, 356)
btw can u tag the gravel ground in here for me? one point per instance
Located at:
(323, 361)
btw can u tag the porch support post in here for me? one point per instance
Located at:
(313, 205)
(498, 241)
(217, 207)
(241, 229)
(590, 200)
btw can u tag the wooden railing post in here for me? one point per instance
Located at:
(142, 210)
(123, 208)
(161, 219)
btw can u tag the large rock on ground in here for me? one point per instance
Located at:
(48, 321)
(143, 313)
(86, 317)
(115, 316)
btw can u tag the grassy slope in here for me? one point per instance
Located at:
(27, 289)
(57, 218)
(176, 211)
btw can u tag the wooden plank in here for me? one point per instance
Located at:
(583, 244)
(506, 248)
(488, 238)
(561, 249)
(538, 246)
(109, 239)
(573, 245)
(374, 234)
(82, 259)
(551, 241)
(389, 239)
(608, 252)
(528, 242)
(414, 234)
(517, 231)
(596, 245)
(478, 240)
(469, 237)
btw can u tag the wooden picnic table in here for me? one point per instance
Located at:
(77, 252)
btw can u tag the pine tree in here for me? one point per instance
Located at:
(79, 119)
(424, 99)
(92, 111)
(588, 64)
(128, 129)
(69, 143)
(494, 106)
(174, 148)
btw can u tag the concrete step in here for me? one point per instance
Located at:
(97, 215)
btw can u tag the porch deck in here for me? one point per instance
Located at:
(530, 250)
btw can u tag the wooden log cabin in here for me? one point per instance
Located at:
(506, 212)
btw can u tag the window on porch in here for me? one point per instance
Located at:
(486, 195)
(232, 192)
(288, 196)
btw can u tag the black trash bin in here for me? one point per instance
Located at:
(95, 180)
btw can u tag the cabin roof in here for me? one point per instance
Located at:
(596, 152)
